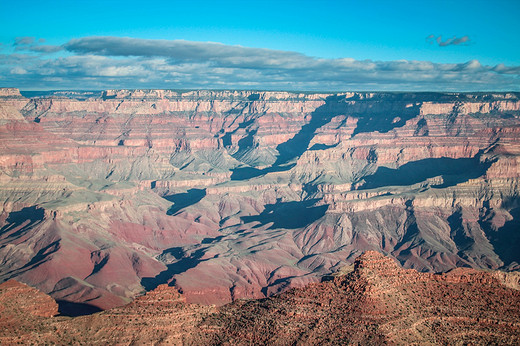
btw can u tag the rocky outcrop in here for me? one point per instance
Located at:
(10, 92)
(26, 300)
(11, 102)
(238, 194)
(159, 317)
(23, 310)
(374, 301)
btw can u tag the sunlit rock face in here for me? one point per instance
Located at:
(372, 301)
(232, 194)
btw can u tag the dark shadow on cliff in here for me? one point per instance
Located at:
(183, 200)
(289, 215)
(382, 120)
(453, 172)
(42, 255)
(183, 264)
(506, 239)
(17, 225)
(72, 309)
(460, 234)
(226, 139)
(245, 173)
(322, 146)
(297, 145)
(22, 221)
(376, 117)
(411, 235)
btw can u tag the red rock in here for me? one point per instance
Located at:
(375, 301)
(86, 177)
(23, 310)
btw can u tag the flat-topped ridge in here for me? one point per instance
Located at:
(10, 92)
(259, 95)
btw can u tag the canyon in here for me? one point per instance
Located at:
(373, 301)
(225, 195)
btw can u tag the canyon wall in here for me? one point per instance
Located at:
(232, 194)
(372, 301)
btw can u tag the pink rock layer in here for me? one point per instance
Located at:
(237, 194)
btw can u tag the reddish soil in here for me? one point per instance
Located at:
(375, 303)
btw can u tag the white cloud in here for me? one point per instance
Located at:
(113, 62)
(18, 70)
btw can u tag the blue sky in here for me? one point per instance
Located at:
(303, 45)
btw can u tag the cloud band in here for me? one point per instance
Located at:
(119, 62)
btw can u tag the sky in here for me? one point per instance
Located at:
(320, 45)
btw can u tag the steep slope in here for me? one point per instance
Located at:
(162, 316)
(375, 303)
(231, 194)
(23, 311)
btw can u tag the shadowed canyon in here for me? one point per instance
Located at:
(224, 195)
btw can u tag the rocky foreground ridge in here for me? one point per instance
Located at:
(373, 302)
(233, 194)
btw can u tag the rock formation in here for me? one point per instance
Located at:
(377, 303)
(372, 302)
(242, 194)
(23, 310)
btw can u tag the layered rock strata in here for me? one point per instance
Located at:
(233, 194)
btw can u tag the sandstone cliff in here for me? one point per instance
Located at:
(231, 194)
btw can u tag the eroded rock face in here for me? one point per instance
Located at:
(26, 300)
(234, 194)
(23, 310)
(377, 303)
(373, 302)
